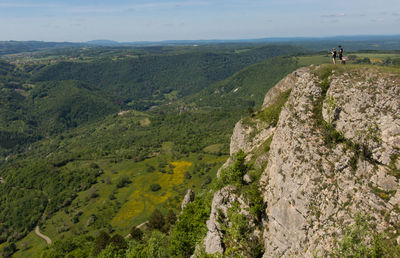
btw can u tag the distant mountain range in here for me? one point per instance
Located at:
(353, 43)
(259, 40)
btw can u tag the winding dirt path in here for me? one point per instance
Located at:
(46, 238)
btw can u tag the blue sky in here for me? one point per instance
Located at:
(138, 20)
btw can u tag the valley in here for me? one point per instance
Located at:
(98, 138)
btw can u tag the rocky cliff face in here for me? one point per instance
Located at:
(332, 156)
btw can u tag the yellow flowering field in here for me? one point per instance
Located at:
(143, 201)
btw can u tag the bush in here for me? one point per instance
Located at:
(101, 243)
(190, 228)
(150, 169)
(123, 181)
(157, 245)
(93, 165)
(156, 220)
(119, 242)
(233, 175)
(155, 187)
(93, 193)
(187, 175)
(136, 233)
(361, 240)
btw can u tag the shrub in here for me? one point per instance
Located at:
(187, 175)
(136, 233)
(234, 174)
(155, 187)
(157, 245)
(150, 169)
(361, 240)
(123, 181)
(93, 193)
(190, 228)
(119, 242)
(93, 165)
(156, 220)
(101, 243)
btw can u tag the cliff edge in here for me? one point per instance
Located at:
(319, 160)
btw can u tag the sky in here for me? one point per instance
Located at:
(156, 20)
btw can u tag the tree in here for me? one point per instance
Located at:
(136, 233)
(156, 220)
(119, 242)
(101, 242)
(157, 245)
(123, 181)
(171, 217)
(170, 220)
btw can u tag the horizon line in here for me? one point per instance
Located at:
(213, 39)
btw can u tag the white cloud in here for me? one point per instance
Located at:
(333, 15)
(378, 20)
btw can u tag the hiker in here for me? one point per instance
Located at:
(341, 55)
(333, 55)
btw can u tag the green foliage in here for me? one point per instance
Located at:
(256, 202)
(8, 249)
(129, 79)
(330, 134)
(20, 211)
(364, 60)
(136, 233)
(78, 246)
(67, 113)
(171, 218)
(111, 252)
(233, 175)
(118, 242)
(155, 187)
(271, 113)
(237, 233)
(190, 228)
(247, 87)
(361, 240)
(24, 199)
(123, 181)
(267, 144)
(156, 220)
(101, 242)
(155, 245)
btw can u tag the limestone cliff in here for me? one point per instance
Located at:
(331, 157)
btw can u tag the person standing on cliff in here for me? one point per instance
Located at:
(341, 54)
(333, 55)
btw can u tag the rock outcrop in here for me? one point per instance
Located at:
(189, 197)
(334, 156)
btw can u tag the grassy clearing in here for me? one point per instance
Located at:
(214, 149)
(143, 201)
(380, 56)
(29, 246)
(320, 59)
(314, 59)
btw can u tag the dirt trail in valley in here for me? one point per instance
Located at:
(46, 238)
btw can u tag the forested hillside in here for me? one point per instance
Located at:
(75, 134)
(43, 99)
